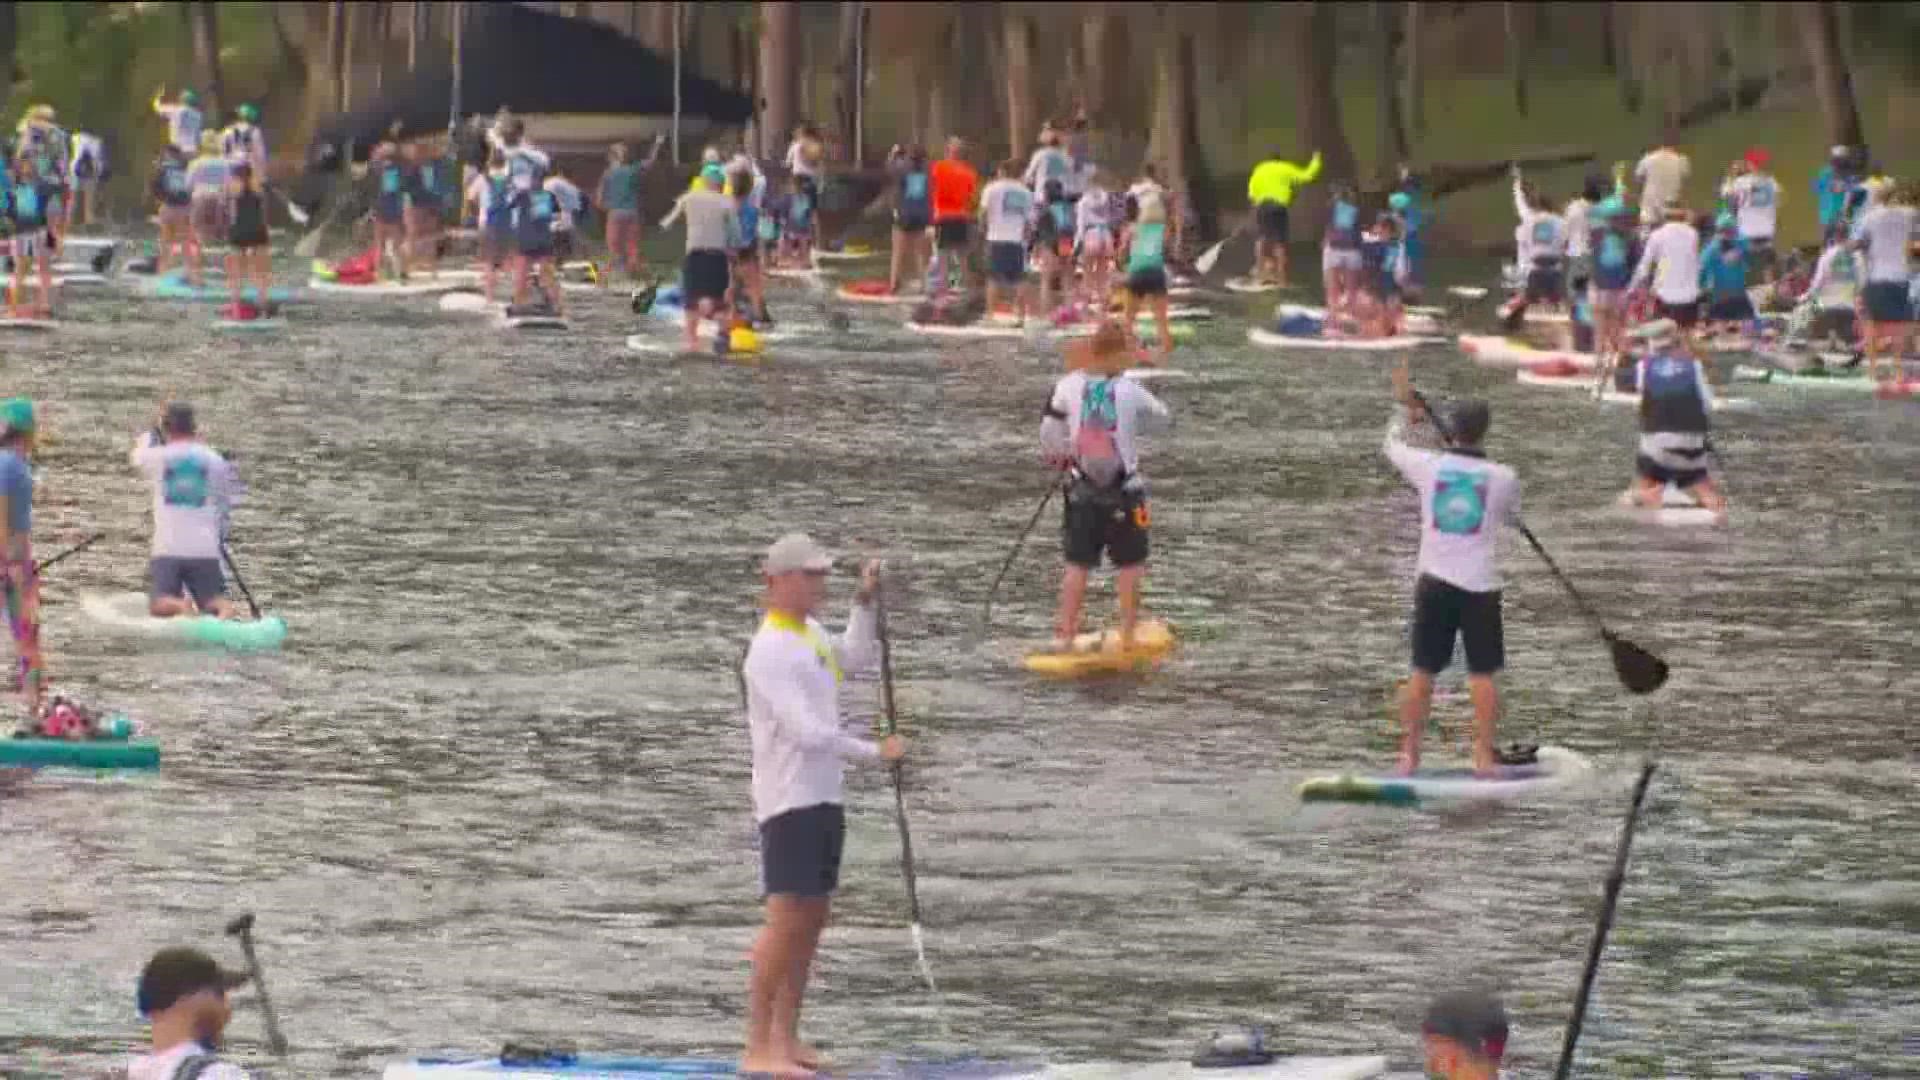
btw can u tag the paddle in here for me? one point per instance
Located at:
(1640, 671)
(242, 928)
(1599, 943)
(74, 550)
(1052, 488)
(899, 799)
(1204, 264)
(226, 555)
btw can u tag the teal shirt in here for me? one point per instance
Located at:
(620, 188)
(1148, 250)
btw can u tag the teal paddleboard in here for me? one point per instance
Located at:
(80, 754)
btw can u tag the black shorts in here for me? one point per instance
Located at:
(1007, 263)
(1441, 612)
(1760, 253)
(910, 223)
(1886, 301)
(1686, 316)
(800, 851)
(563, 243)
(952, 233)
(389, 212)
(1147, 282)
(246, 241)
(1731, 309)
(1648, 469)
(1271, 218)
(1104, 520)
(704, 275)
(1547, 285)
(1833, 322)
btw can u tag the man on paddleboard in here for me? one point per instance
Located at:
(183, 995)
(1465, 1036)
(1676, 406)
(194, 490)
(792, 676)
(1090, 429)
(1464, 499)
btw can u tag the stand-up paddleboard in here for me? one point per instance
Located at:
(874, 291)
(645, 345)
(266, 324)
(1677, 508)
(1100, 653)
(850, 253)
(1144, 328)
(530, 321)
(31, 326)
(471, 303)
(1411, 321)
(1251, 285)
(1273, 339)
(1614, 396)
(794, 273)
(127, 613)
(982, 329)
(1853, 380)
(175, 288)
(376, 289)
(1468, 292)
(1554, 767)
(596, 1067)
(1175, 313)
(129, 753)
(78, 279)
(1149, 374)
(1490, 350)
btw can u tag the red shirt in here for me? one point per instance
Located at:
(954, 185)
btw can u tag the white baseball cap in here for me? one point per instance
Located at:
(796, 552)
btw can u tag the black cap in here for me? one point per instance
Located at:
(175, 974)
(1468, 420)
(1474, 1019)
(178, 418)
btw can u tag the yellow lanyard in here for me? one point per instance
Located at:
(780, 620)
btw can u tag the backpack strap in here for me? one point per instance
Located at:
(190, 1068)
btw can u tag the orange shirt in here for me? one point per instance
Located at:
(954, 185)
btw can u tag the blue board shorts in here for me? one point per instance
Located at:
(800, 851)
(201, 579)
(1886, 301)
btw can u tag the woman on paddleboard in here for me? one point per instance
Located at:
(250, 260)
(1464, 499)
(1090, 431)
(19, 579)
(792, 678)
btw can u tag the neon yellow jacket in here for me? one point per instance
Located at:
(1274, 181)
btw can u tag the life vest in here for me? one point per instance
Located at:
(1096, 454)
(1670, 397)
(1343, 226)
(915, 200)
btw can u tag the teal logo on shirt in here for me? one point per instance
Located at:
(185, 484)
(1459, 501)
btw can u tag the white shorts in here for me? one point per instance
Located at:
(1339, 259)
(1096, 244)
(29, 245)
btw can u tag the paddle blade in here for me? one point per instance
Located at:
(1207, 258)
(1640, 671)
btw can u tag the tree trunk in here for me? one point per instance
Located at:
(1393, 128)
(779, 74)
(1516, 60)
(846, 83)
(1820, 29)
(1415, 104)
(417, 32)
(1017, 47)
(9, 42)
(203, 20)
(659, 32)
(1093, 48)
(1316, 43)
(381, 33)
(339, 20)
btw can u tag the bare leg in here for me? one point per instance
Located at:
(1416, 699)
(45, 262)
(1127, 584)
(1486, 719)
(1648, 492)
(898, 262)
(1709, 495)
(1160, 320)
(1073, 594)
(691, 313)
(236, 280)
(782, 957)
(1280, 264)
(167, 607)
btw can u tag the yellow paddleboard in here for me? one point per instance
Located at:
(1100, 654)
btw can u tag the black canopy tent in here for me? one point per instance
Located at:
(532, 62)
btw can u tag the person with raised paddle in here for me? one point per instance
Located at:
(19, 576)
(1464, 499)
(1270, 189)
(792, 676)
(183, 994)
(1676, 426)
(194, 491)
(1464, 1036)
(1091, 428)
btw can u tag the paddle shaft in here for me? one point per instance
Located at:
(1598, 945)
(899, 798)
(987, 616)
(74, 550)
(239, 582)
(243, 928)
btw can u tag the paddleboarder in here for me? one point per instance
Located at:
(1090, 429)
(1465, 1036)
(194, 491)
(19, 579)
(1675, 426)
(1270, 189)
(792, 676)
(1464, 499)
(183, 994)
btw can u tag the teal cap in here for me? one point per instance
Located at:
(189, 97)
(1399, 200)
(713, 174)
(1613, 207)
(248, 112)
(16, 416)
(1724, 221)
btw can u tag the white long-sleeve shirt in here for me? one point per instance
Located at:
(1836, 278)
(194, 492)
(1464, 499)
(1674, 248)
(1541, 234)
(793, 709)
(1122, 408)
(1579, 228)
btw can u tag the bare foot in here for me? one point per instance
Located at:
(1409, 762)
(809, 1056)
(774, 1066)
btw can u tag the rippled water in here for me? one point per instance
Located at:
(497, 787)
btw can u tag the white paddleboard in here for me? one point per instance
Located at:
(82, 278)
(265, 325)
(1555, 767)
(529, 322)
(418, 286)
(794, 273)
(1260, 335)
(1492, 350)
(877, 298)
(1250, 285)
(1676, 508)
(470, 303)
(975, 330)
(855, 255)
(1412, 321)
(29, 325)
(1467, 292)
(597, 1067)
(1148, 374)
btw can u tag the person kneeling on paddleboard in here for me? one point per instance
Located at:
(1464, 499)
(1090, 428)
(1465, 1036)
(1675, 430)
(791, 679)
(183, 995)
(194, 491)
